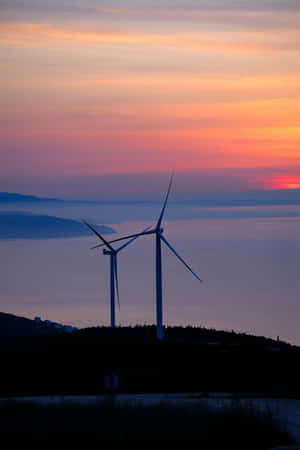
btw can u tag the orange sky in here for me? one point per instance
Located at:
(133, 87)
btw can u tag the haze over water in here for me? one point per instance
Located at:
(250, 267)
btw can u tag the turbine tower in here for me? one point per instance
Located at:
(158, 232)
(114, 283)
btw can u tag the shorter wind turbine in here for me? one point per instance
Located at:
(158, 232)
(114, 282)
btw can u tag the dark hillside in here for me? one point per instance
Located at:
(176, 335)
(15, 326)
(187, 360)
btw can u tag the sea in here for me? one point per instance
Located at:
(248, 258)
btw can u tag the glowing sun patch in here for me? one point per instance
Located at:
(284, 182)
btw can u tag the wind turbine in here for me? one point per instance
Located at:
(158, 232)
(114, 283)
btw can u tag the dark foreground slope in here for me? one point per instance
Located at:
(12, 326)
(187, 360)
(213, 429)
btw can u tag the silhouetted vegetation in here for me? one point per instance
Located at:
(36, 359)
(177, 335)
(187, 360)
(234, 426)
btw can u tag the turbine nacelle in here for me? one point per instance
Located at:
(107, 252)
(153, 231)
(148, 232)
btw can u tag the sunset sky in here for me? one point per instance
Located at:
(92, 89)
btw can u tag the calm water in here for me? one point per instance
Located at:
(250, 267)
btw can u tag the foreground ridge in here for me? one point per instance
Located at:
(188, 359)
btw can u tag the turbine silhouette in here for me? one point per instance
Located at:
(114, 280)
(158, 232)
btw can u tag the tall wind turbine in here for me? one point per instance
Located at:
(114, 283)
(158, 232)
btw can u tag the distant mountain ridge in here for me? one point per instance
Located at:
(208, 199)
(10, 197)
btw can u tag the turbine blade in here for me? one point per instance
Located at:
(116, 279)
(131, 240)
(179, 257)
(122, 239)
(99, 236)
(97, 246)
(165, 203)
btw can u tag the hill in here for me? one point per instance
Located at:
(177, 335)
(8, 197)
(187, 360)
(15, 326)
(25, 225)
